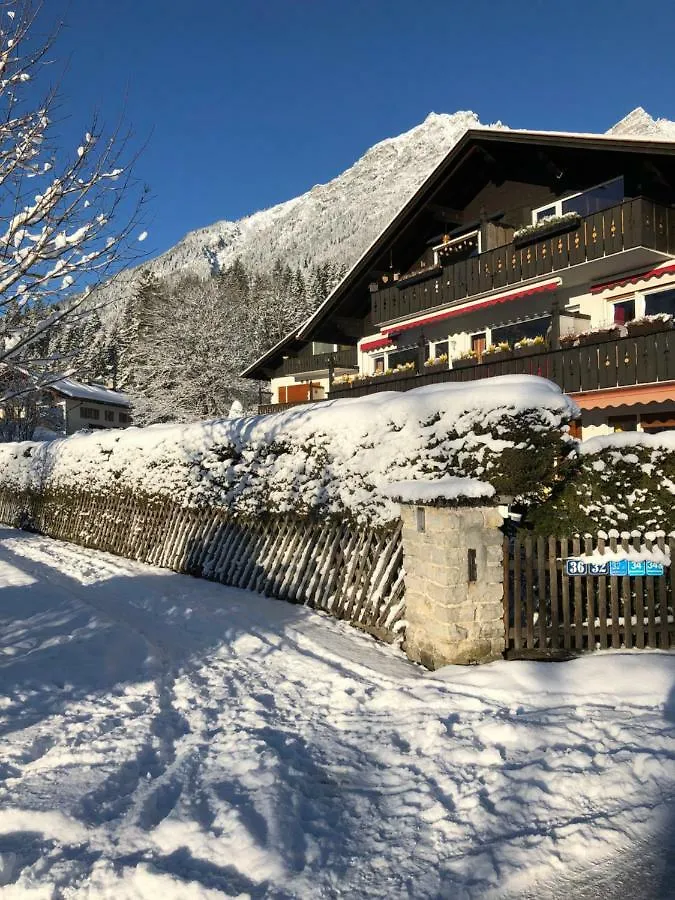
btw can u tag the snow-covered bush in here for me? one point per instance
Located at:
(622, 481)
(329, 458)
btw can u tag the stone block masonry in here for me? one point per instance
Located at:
(452, 558)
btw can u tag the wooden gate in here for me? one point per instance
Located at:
(549, 613)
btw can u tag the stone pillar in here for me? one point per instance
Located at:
(452, 558)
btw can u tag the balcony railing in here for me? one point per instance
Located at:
(606, 364)
(341, 359)
(634, 223)
(265, 409)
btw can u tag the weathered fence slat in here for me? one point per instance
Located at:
(529, 600)
(356, 573)
(602, 601)
(588, 588)
(553, 581)
(626, 596)
(517, 597)
(578, 602)
(548, 609)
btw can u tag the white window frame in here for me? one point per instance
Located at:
(457, 240)
(643, 294)
(636, 297)
(557, 204)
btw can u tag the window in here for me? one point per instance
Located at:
(125, 418)
(516, 332)
(440, 348)
(478, 344)
(545, 213)
(109, 415)
(660, 302)
(378, 365)
(585, 202)
(318, 347)
(407, 355)
(622, 423)
(624, 311)
(88, 412)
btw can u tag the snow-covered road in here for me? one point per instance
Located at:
(167, 737)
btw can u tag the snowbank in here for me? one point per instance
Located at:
(332, 457)
(166, 737)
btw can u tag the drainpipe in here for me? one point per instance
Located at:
(331, 373)
(555, 324)
(421, 355)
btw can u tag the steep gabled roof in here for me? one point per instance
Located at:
(471, 138)
(544, 138)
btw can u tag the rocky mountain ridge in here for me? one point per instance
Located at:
(339, 219)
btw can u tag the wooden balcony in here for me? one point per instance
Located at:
(320, 362)
(606, 364)
(629, 225)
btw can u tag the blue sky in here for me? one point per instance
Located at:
(245, 104)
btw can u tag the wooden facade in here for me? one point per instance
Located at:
(634, 223)
(467, 241)
(642, 359)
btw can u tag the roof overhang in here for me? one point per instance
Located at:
(265, 366)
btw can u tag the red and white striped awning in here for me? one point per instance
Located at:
(633, 279)
(393, 330)
(376, 344)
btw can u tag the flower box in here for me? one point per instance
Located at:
(530, 350)
(497, 356)
(464, 363)
(647, 326)
(599, 337)
(545, 229)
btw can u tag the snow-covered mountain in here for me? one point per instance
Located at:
(331, 221)
(640, 124)
(338, 220)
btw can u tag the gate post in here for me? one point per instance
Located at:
(452, 557)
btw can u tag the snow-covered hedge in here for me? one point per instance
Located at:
(622, 481)
(331, 458)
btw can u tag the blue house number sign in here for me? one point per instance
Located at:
(618, 567)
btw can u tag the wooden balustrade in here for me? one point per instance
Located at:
(634, 223)
(345, 359)
(627, 361)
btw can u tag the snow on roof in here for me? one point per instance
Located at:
(94, 392)
(451, 488)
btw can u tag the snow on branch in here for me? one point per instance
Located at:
(67, 214)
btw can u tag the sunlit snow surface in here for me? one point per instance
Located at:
(166, 737)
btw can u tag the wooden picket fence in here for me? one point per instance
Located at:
(547, 612)
(354, 574)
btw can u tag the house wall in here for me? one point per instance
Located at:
(285, 381)
(75, 421)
